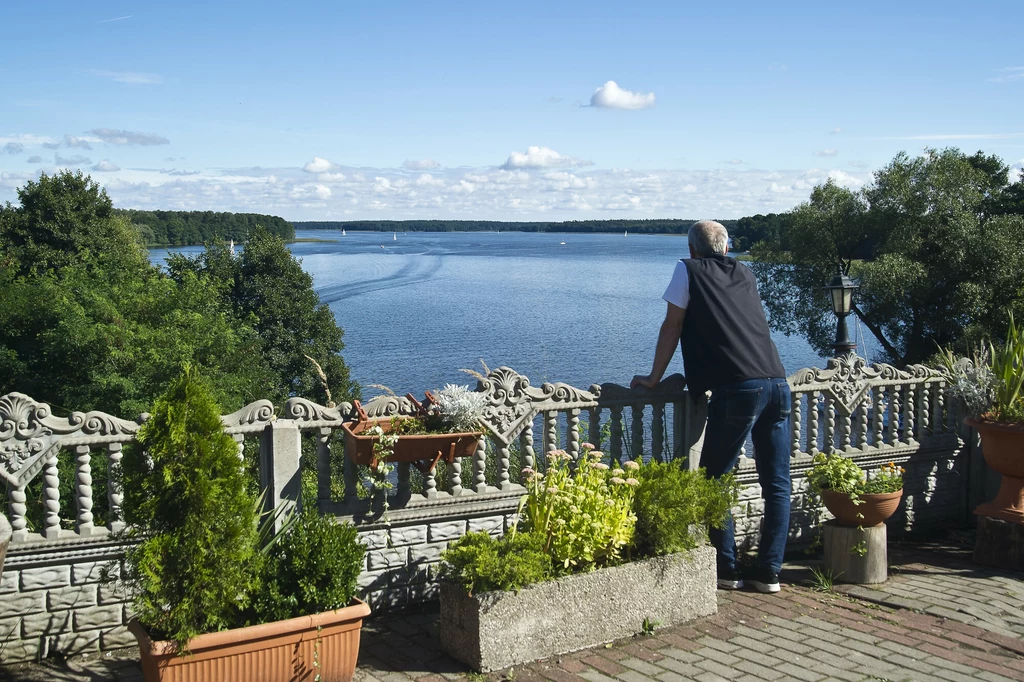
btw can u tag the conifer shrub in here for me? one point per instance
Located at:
(186, 502)
(311, 568)
(675, 506)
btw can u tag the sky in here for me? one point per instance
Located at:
(497, 110)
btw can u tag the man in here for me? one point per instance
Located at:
(715, 311)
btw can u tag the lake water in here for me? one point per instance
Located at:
(427, 304)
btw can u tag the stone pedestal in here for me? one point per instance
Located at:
(999, 543)
(855, 555)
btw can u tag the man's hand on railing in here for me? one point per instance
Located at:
(645, 380)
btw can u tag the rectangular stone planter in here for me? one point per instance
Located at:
(495, 630)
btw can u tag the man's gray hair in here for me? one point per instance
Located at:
(708, 238)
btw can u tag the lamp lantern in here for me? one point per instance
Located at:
(840, 291)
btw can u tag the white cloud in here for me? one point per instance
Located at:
(319, 165)
(13, 148)
(128, 137)
(34, 159)
(428, 180)
(845, 179)
(836, 131)
(826, 152)
(105, 166)
(422, 164)
(1010, 73)
(322, 191)
(541, 157)
(611, 96)
(71, 161)
(735, 162)
(76, 142)
(131, 77)
(965, 136)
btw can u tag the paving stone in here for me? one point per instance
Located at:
(718, 669)
(640, 666)
(799, 673)
(634, 676)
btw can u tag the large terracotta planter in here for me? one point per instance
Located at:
(424, 451)
(494, 630)
(1003, 448)
(5, 539)
(291, 650)
(876, 507)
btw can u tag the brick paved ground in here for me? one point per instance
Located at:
(894, 633)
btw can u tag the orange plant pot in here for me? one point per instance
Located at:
(290, 650)
(876, 507)
(1002, 445)
(424, 450)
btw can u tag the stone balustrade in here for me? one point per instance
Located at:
(52, 598)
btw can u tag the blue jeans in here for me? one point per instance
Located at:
(758, 408)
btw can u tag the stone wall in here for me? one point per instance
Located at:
(54, 601)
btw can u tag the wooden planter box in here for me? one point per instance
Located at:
(495, 630)
(284, 651)
(424, 451)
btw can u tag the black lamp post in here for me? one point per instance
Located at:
(841, 290)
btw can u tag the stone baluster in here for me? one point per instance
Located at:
(83, 490)
(909, 412)
(239, 439)
(923, 411)
(812, 422)
(877, 410)
(455, 476)
(894, 414)
(18, 510)
(616, 435)
(526, 446)
(504, 482)
(938, 407)
(845, 429)
(658, 433)
(637, 432)
(863, 421)
(572, 434)
(51, 497)
(594, 424)
(829, 435)
(794, 446)
(429, 481)
(480, 461)
(550, 431)
(115, 492)
(323, 469)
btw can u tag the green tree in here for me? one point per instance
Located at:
(937, 265)
(267, 286)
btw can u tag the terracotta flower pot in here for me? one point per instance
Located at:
(424, 451)
(1002, 445)
(876, 507)
(285, 651)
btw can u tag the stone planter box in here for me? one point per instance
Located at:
(494, 630)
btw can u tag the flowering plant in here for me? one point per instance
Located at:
(840, 474)
(584, 513)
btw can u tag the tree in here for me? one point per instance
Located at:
(266, 285)
(937, 264)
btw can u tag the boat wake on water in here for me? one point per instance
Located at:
(416, 270)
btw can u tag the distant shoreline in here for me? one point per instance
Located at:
(652, 226)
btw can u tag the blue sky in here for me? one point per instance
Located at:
(553, 111)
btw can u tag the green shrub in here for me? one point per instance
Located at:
(185, 497)
(671, 502)
(480, 563)
(312, 568)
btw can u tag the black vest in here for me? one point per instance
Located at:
(725, 333)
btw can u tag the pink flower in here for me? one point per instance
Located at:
(587, 446)
(600, 466)
(633, 466)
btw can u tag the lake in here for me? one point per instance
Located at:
(417, 307)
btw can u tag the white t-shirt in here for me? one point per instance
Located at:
(678, 291)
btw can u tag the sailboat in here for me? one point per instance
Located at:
(232, 247)
(394, 237)
(625, 234)
(343, 232)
